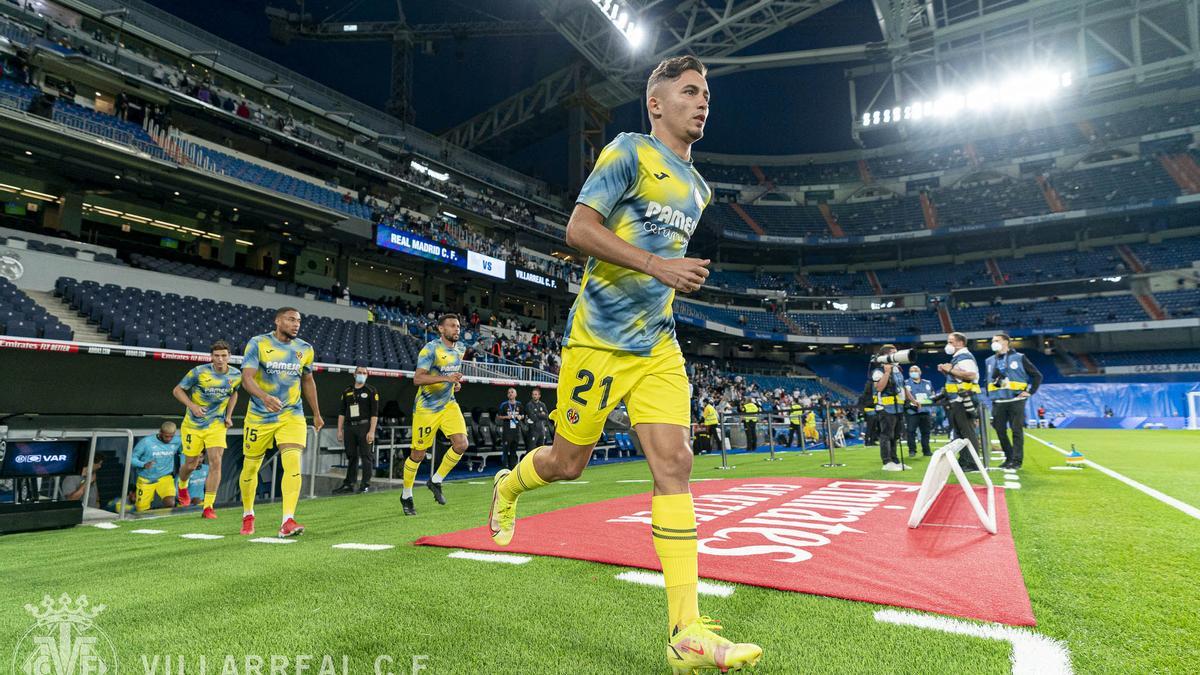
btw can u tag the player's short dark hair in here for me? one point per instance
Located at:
(218, 346)
(284, 310)
(672, 68)
(959, 337)
(1003, 335)
(446, 317)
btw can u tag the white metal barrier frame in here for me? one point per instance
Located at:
(941, 465)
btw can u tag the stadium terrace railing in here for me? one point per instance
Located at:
(507, 371)
(80, 125)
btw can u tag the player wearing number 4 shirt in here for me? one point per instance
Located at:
(209, 392)
(634, 218)
(437, 378)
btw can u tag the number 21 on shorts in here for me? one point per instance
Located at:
(588, 379)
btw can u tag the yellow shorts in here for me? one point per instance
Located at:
(448, 420)
(260, 436)
(196, 441)
(591, 382)
(163, 487)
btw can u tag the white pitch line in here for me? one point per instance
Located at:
(200, 535)
(477, 482)
(1164, 498)
(365, 547)
(655, 579)
(105, 525)
(1032, 654)
(273, 540)
(1012, 486)
(491, 557)
(146, 531)
(636, 480)
(575, 482)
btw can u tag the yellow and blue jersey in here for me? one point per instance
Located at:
(210, 390)
(151, 448)
(438, 359)
(279, 366)
(653, 199)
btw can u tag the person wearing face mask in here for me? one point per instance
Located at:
(962, 384)
(356, 429)
(917, 411)
(1011, 379)
(888, 384)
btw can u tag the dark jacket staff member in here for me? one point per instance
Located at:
(712, 425)
(917, 411)
(962, 385)
(795, 423)
(751, 425)
(870, 420)
(888, 384)
(539, 418)
(511, 414)
(357, 419)
(1011, 379)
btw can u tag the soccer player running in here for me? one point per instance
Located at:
(633, 218)
(209, 392)
(437, 378)
(276, 368)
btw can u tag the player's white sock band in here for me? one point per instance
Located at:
(287, 517)
(406, 493)
(437, 477)
(247, 513)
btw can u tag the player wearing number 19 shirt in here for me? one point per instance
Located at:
(634, 218)
(438, 376)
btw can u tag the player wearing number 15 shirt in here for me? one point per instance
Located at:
(634, 218)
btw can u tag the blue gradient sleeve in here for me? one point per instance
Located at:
(615, 172)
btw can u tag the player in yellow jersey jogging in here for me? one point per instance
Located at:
(276, 368)
(634, 218)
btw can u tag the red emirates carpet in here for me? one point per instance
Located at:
(841, 538)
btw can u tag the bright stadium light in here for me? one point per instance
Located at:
(1035, 86)
(624, 19)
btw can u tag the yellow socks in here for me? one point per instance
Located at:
(448, 463)
(210, 498)
(290, 483)
(523, 478)
(410, 476)
(250, 467)
(673, 523)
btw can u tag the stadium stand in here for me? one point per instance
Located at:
(152, 319)
(21, 316)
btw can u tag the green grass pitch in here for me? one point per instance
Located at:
(1112, 573)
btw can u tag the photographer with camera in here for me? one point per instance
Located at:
(917, 407)
(962, 376)
(1011, 378)
(889, 402)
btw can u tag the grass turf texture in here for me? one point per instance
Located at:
(1111, 572)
